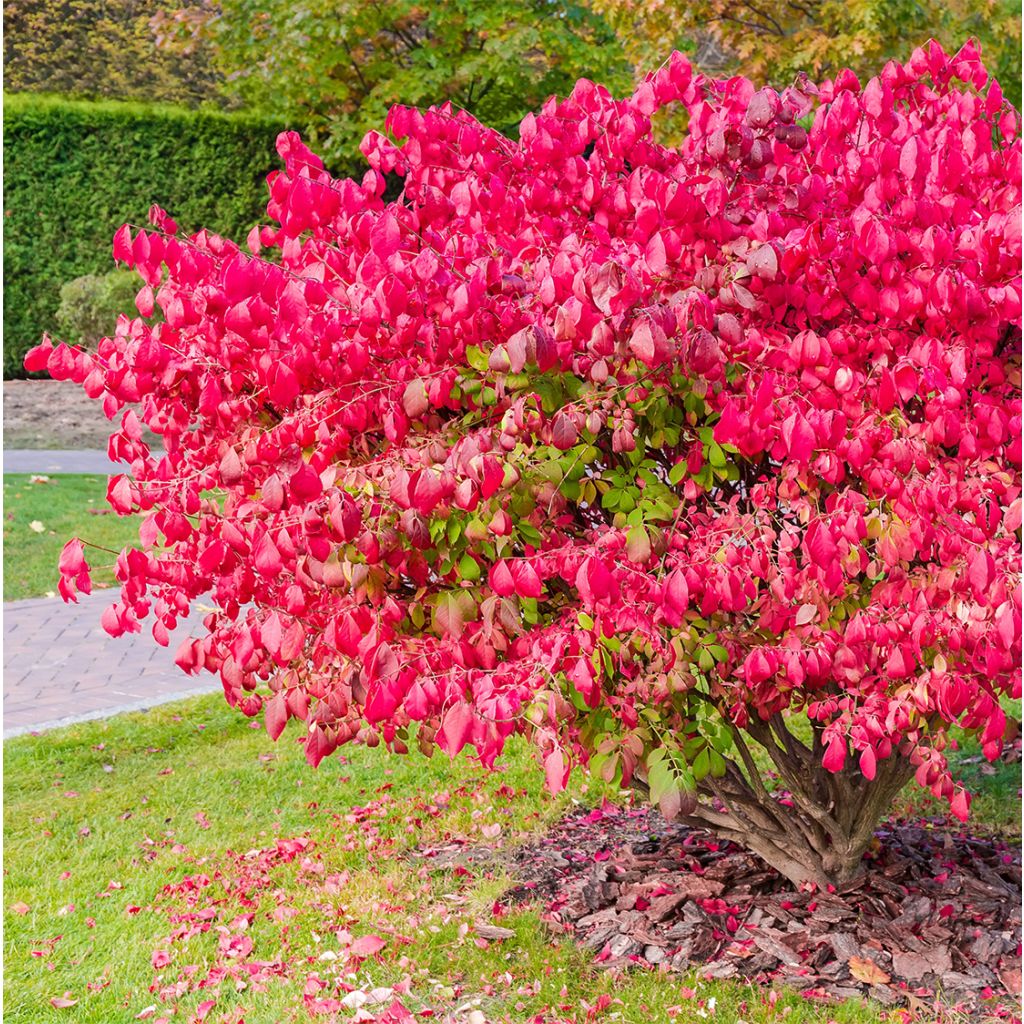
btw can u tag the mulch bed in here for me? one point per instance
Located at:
(935, 922)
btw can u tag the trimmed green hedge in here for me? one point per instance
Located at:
(75, 171)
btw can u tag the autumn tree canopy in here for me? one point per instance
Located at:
(772, 41)
(681, 461)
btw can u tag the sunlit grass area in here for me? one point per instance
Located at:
(41, 513)
(101, 817)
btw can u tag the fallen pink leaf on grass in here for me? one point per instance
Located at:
(20, 908)
(63, 1002)
(204, 1008)
(367, 945)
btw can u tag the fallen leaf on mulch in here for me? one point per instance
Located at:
(867, 971)
(1010, 977)
(936, 918)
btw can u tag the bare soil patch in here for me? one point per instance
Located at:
(50, 414)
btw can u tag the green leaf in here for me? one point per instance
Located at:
(476, 357)
(451, 611)
(469, 567)
(716, 457)
(659, 779)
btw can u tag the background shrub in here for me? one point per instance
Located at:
(76, 171)
(89, 305)
(94, 49)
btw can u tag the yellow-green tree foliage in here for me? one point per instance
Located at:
(770, 41)
(100, 49)
(334, 67)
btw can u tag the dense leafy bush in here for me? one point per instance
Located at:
(75, 171)
(659, 455)
(90, 305)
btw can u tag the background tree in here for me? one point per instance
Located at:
(686, 461)
(336, 67)
(100, 49)
(771, 41)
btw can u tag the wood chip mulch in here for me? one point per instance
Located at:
(935, 923)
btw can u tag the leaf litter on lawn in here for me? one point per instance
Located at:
(934, 925)
(321, 914)
(420, 867)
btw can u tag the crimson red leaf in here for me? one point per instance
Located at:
(456, 728)
(275, 715)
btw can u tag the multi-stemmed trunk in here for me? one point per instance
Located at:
(820, 834)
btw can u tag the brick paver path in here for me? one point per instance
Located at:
(40, 460)
(61, 667)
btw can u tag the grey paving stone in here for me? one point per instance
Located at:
(61, 667)
(25, 460)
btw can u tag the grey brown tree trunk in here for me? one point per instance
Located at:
(821, 834)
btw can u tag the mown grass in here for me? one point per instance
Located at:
(99, 817)
(63, 506)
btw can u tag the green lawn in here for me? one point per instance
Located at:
(39, 518)
(100, 817)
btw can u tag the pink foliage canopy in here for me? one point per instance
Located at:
(582, 426)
